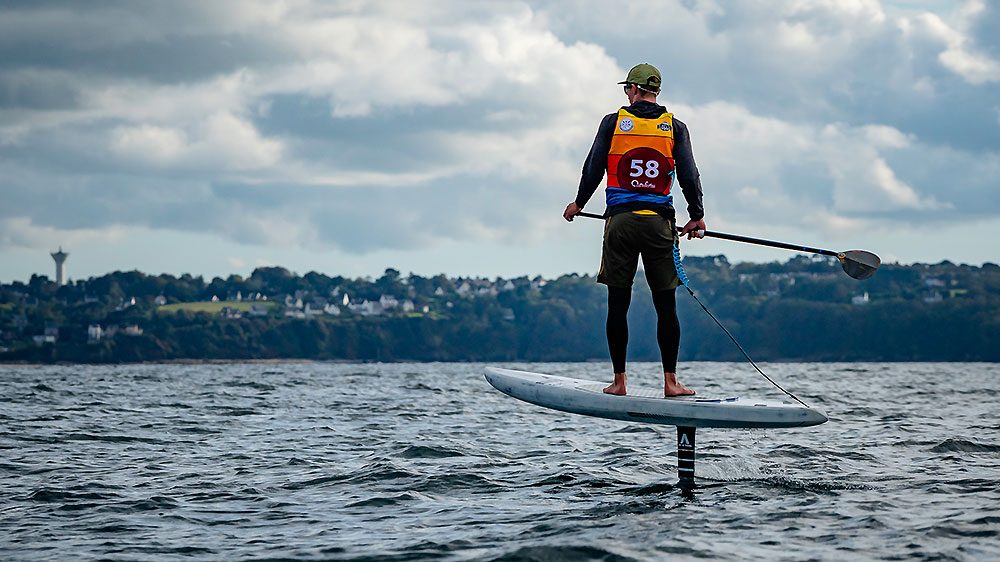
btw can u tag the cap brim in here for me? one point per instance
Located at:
(625, 82)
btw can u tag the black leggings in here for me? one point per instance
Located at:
(668, 328)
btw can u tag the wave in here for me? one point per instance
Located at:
(429, 452)
(651, 489)
(66, 500)
(254, 385)
(786, 483)
(385, 501)
(559, 553)
(450, 483)
(964, 446)
(960, 532)
(111, 438)
(153, 503)
(554, 480)
(377, 473)
(234, 411)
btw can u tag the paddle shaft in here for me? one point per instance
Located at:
(746, 239)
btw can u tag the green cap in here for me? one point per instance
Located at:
(644, 75)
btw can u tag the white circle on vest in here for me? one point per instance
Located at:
(626, 125)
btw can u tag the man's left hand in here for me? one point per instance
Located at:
(694, 229)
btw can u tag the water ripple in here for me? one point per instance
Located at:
(426, 462)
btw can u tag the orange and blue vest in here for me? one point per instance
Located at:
(641, 160)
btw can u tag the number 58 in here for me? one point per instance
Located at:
(651, 170)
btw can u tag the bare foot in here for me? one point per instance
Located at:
(617, 387)
(671, 387)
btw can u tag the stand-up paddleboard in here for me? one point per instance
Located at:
(587, 398)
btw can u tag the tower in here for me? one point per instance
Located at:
(60, 258)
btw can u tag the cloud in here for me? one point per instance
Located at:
(960, 54)
(21, 232)
(764, 169)
(372, 126)
(156, 145)
(222, 142)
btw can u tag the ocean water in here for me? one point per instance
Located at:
(426, 461)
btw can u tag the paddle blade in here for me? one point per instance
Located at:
(859, 264)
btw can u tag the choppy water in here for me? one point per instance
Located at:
(427, 461)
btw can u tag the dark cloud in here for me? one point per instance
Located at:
(167, 60)
(98, 201)
(214, 118)
(33, 90)
(986, 28)
(156, 42)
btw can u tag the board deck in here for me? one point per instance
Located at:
(587, 398)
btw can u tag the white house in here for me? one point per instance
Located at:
(371, 308)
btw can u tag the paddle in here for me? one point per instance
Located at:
(859, 264)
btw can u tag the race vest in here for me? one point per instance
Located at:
(641, 160)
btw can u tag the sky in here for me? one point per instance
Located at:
(447, 137)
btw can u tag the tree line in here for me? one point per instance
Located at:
(804, 309)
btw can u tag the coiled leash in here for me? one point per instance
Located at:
(684, 281)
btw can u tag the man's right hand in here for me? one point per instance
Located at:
(571, 211)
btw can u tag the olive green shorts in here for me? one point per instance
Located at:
(629, 235)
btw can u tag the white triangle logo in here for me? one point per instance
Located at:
(684, 440)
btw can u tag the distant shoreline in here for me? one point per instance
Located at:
(415, 361)
(803, 310)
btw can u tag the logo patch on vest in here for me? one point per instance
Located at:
(663, 126)
(626, 125)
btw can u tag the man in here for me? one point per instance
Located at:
(643, 149)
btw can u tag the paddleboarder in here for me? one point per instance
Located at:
(643, 148)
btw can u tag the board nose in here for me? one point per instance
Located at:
(490, 378)
(496, 379)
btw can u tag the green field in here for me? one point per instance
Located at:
(213, 307)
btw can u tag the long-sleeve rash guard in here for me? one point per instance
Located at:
(684, 165)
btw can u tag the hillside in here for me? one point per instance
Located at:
(803, 309)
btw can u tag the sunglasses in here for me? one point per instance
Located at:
(627, 88)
